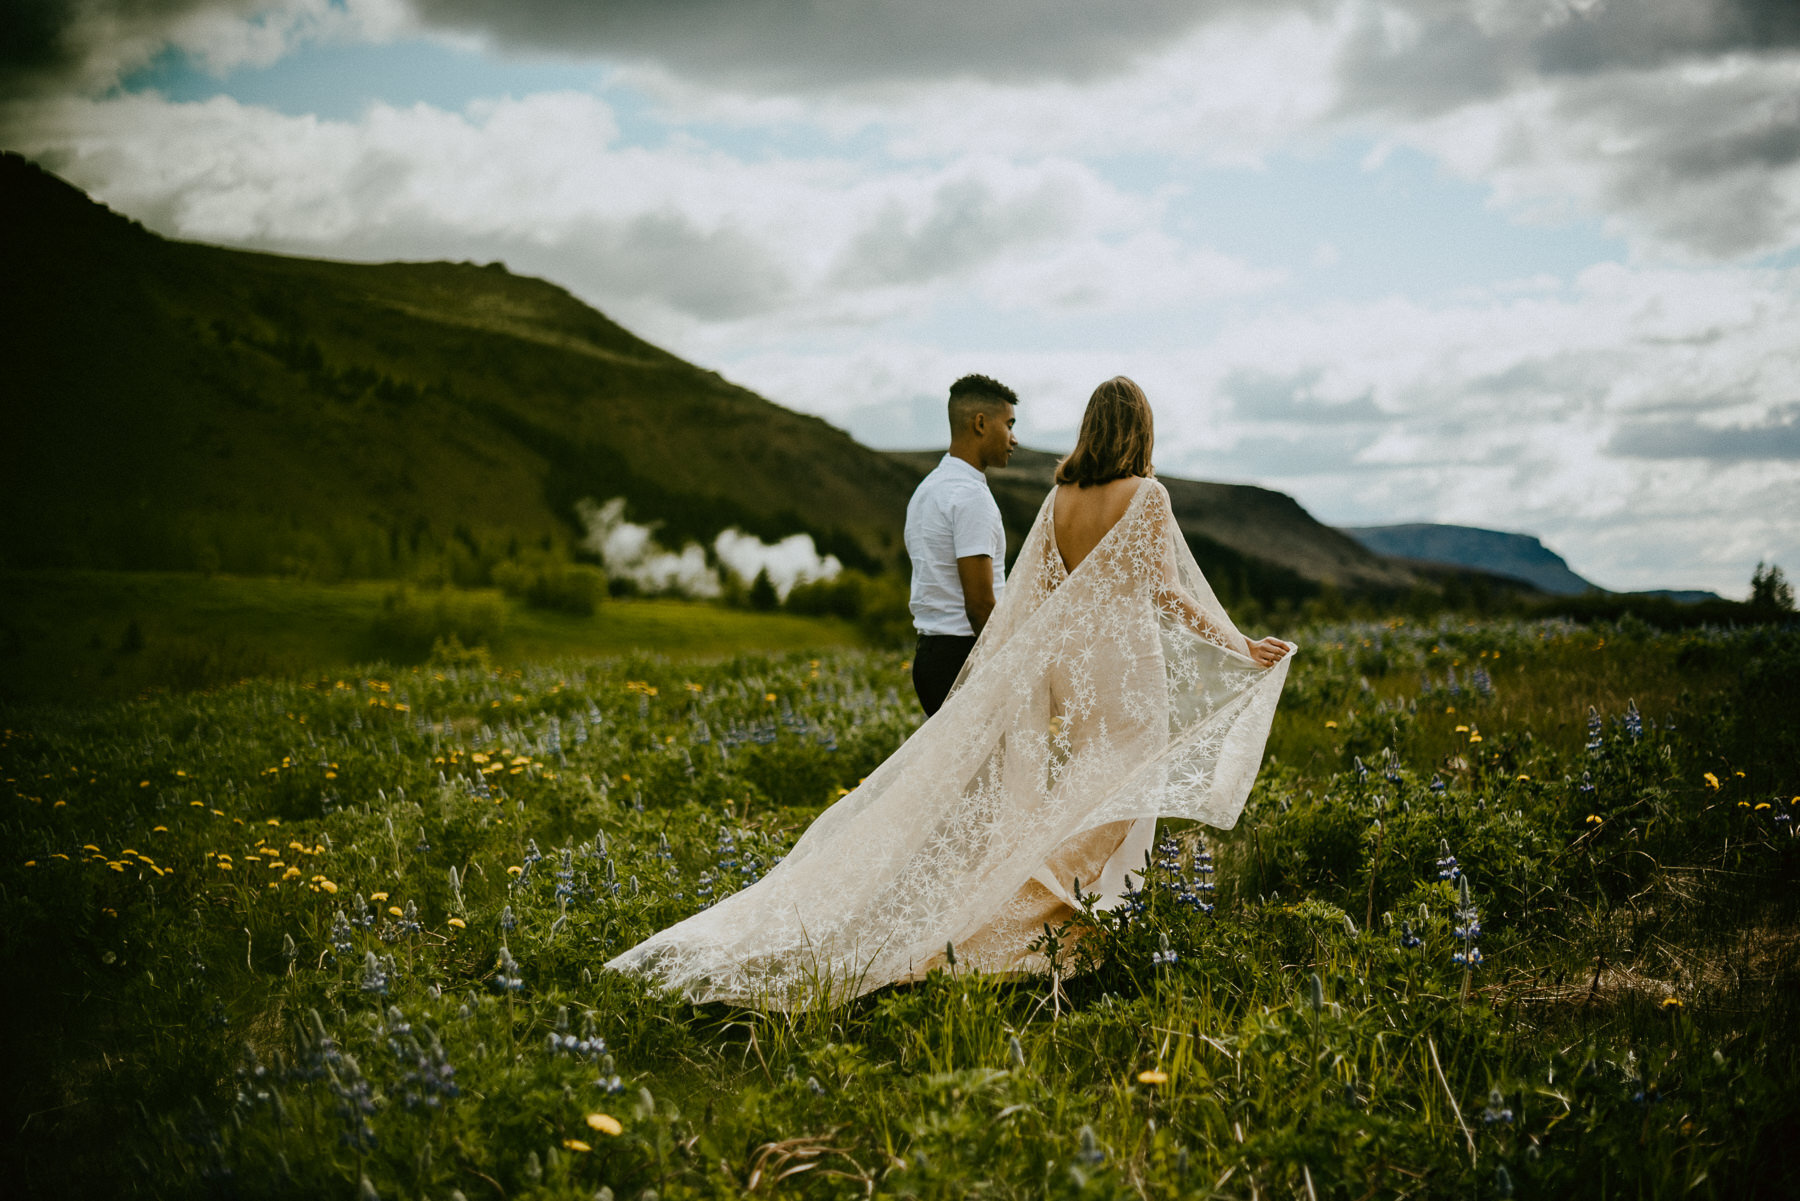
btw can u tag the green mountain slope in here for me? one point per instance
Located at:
(172, 405)
(1250, 541)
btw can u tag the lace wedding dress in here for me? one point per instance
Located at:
(1095, 701)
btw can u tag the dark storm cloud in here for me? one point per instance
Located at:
(1688, 439)
(804, 43)
(44, 43)
(1444, 53)
(1650, 34)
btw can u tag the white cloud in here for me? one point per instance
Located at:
(941, 209)
(674, 241)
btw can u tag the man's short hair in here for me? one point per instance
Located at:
(974, 394)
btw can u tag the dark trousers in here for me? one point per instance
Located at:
(935, 663)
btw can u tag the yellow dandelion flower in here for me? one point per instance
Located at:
(1743, 804)
(1153, 1076)
(327, 885)
(1672, 1003)
(331, 775)
(769, 696)
(1762, 806)
(1594, 819)
(605, 1123)
(575, 1144)
(514, 870)
(159, 829)
(1331, 725)
(88, 846)
(1474, 736)
(378, 896)
(224, 866)
(459, 923)
(1449, 709)
(1711, 780)
(31, 863)
(143, 783)
(1462, 729)
(1524, 778)
(396, 911)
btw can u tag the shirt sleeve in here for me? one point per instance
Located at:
(971, 525)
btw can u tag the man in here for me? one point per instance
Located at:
(955, 537)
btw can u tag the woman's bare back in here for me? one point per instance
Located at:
(1081, 517)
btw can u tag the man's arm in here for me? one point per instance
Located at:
(977, 575)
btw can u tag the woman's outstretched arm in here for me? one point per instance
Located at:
(1175, 600)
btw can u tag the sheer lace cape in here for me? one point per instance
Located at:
(1094, 702)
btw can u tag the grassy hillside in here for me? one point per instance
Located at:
(87, 636)
(177, 406)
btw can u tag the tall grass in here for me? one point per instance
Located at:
(289, 937)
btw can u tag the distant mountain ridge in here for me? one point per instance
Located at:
(1249, 540)
(1518, 556)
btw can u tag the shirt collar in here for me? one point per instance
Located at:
(955, 464)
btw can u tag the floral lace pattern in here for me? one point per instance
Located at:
(1095, 701)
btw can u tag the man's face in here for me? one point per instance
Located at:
(997, 441)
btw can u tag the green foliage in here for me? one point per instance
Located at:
(880, 605)
(401, 981)
(547, 582)
(1770, 590)
(761, 596)
(410, 622)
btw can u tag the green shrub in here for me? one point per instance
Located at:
(554, 584)
(409, 622)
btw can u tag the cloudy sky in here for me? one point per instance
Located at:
(1523, 264)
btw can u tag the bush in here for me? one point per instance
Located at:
(554, 584)
(409, 624)
(880, 604)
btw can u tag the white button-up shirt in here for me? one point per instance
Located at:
(951, 516)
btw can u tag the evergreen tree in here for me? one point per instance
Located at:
(762, 592)
(1769, 589)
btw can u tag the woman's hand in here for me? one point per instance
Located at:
(1268, 652)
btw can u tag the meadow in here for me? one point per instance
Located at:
(1511, 912)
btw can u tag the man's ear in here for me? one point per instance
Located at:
(978, 422)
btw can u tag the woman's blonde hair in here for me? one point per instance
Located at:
(1117, 435)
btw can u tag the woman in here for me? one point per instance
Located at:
(1107, 689)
